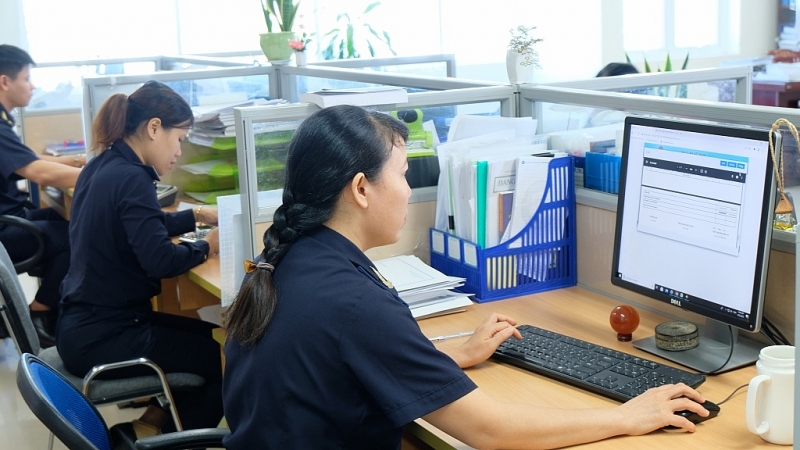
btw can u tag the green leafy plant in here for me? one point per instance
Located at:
(353, 35)
(279, 12)
(521, 42)
(681, 90)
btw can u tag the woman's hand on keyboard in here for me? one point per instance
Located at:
(212, 237)
(656, 408)
(492, 332)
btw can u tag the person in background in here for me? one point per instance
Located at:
(321, 352)
(615, 68)
(18, 162)
(126, 249)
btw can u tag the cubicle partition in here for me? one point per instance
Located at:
(260, 131)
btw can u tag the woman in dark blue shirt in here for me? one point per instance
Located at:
(323, 353)
(122, 248)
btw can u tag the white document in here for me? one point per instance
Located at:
(466, 126)
(449, 306)
(202, 168)
(408, 272)
(446, 192)
(531, 181)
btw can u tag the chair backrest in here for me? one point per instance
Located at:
(67, 413)
(14, 307)
(32, 263)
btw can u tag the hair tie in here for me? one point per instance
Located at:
(250, 266)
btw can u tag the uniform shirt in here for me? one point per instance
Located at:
(342, 364)
(121, 237)
(14, 155)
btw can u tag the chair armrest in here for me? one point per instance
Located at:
(201, 438)
(33, 261)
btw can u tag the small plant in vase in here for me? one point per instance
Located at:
(299, 46)
(521, 57)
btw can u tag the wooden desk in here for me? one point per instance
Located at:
(584, 314)
(776, 93)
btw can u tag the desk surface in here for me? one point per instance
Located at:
(584, 314)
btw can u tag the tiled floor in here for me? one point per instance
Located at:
(19, 428)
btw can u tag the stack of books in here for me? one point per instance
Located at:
(364, 96)
(427, 291)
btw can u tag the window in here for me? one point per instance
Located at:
(703, 28)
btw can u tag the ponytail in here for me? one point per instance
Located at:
(122, 115)
(109, 124)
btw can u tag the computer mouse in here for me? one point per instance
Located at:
(713, 410)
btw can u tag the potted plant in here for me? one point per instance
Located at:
(521, 57)
(352, 36)
(280, 15)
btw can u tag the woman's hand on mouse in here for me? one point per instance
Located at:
(655, 409)
(492, 332)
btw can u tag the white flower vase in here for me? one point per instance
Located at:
(300, 59)
(517, 73)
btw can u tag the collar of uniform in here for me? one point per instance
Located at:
(349, 250)
(341, 245)
(127, 152)
(5, 116)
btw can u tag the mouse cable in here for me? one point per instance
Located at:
(733, 393)
(730, 354)
(775, 331)
(769, 334)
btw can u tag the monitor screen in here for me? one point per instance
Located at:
(694, 217)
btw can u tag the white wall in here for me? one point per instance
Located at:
(12, 26)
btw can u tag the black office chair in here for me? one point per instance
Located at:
(76, 422)
(15, 313)
(31, 265)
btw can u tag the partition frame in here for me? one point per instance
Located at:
(246, 117)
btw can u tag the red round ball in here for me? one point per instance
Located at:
(624, 320)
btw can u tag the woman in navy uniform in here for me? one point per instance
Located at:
(125, 251)
(321, 351)
(19, 162)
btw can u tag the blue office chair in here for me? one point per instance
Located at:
(14, 311)
(76, 422)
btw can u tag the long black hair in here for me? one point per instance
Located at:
(327, 151)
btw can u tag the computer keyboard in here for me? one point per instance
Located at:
(598, 369)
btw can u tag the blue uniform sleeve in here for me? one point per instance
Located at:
(14, 155)
(180, 222)
(396, 363)
(146, 229)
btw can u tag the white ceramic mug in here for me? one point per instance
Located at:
(770, 397)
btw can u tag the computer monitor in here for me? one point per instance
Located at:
(694, 229)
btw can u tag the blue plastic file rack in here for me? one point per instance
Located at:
(602, 172)
(540, 258)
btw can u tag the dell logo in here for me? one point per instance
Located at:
(675, 302)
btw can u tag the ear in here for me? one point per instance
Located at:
(357, 188)
(152, 127)
(5, 80)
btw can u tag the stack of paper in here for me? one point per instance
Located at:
(217, 120)
(426, 290)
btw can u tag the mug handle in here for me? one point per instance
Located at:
(755, 425)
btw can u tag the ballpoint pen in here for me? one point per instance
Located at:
(444, 337)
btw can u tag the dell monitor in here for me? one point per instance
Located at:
(694, 229)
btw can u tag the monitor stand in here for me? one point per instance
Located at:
(712, 350)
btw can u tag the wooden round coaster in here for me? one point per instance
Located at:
(676, 336)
